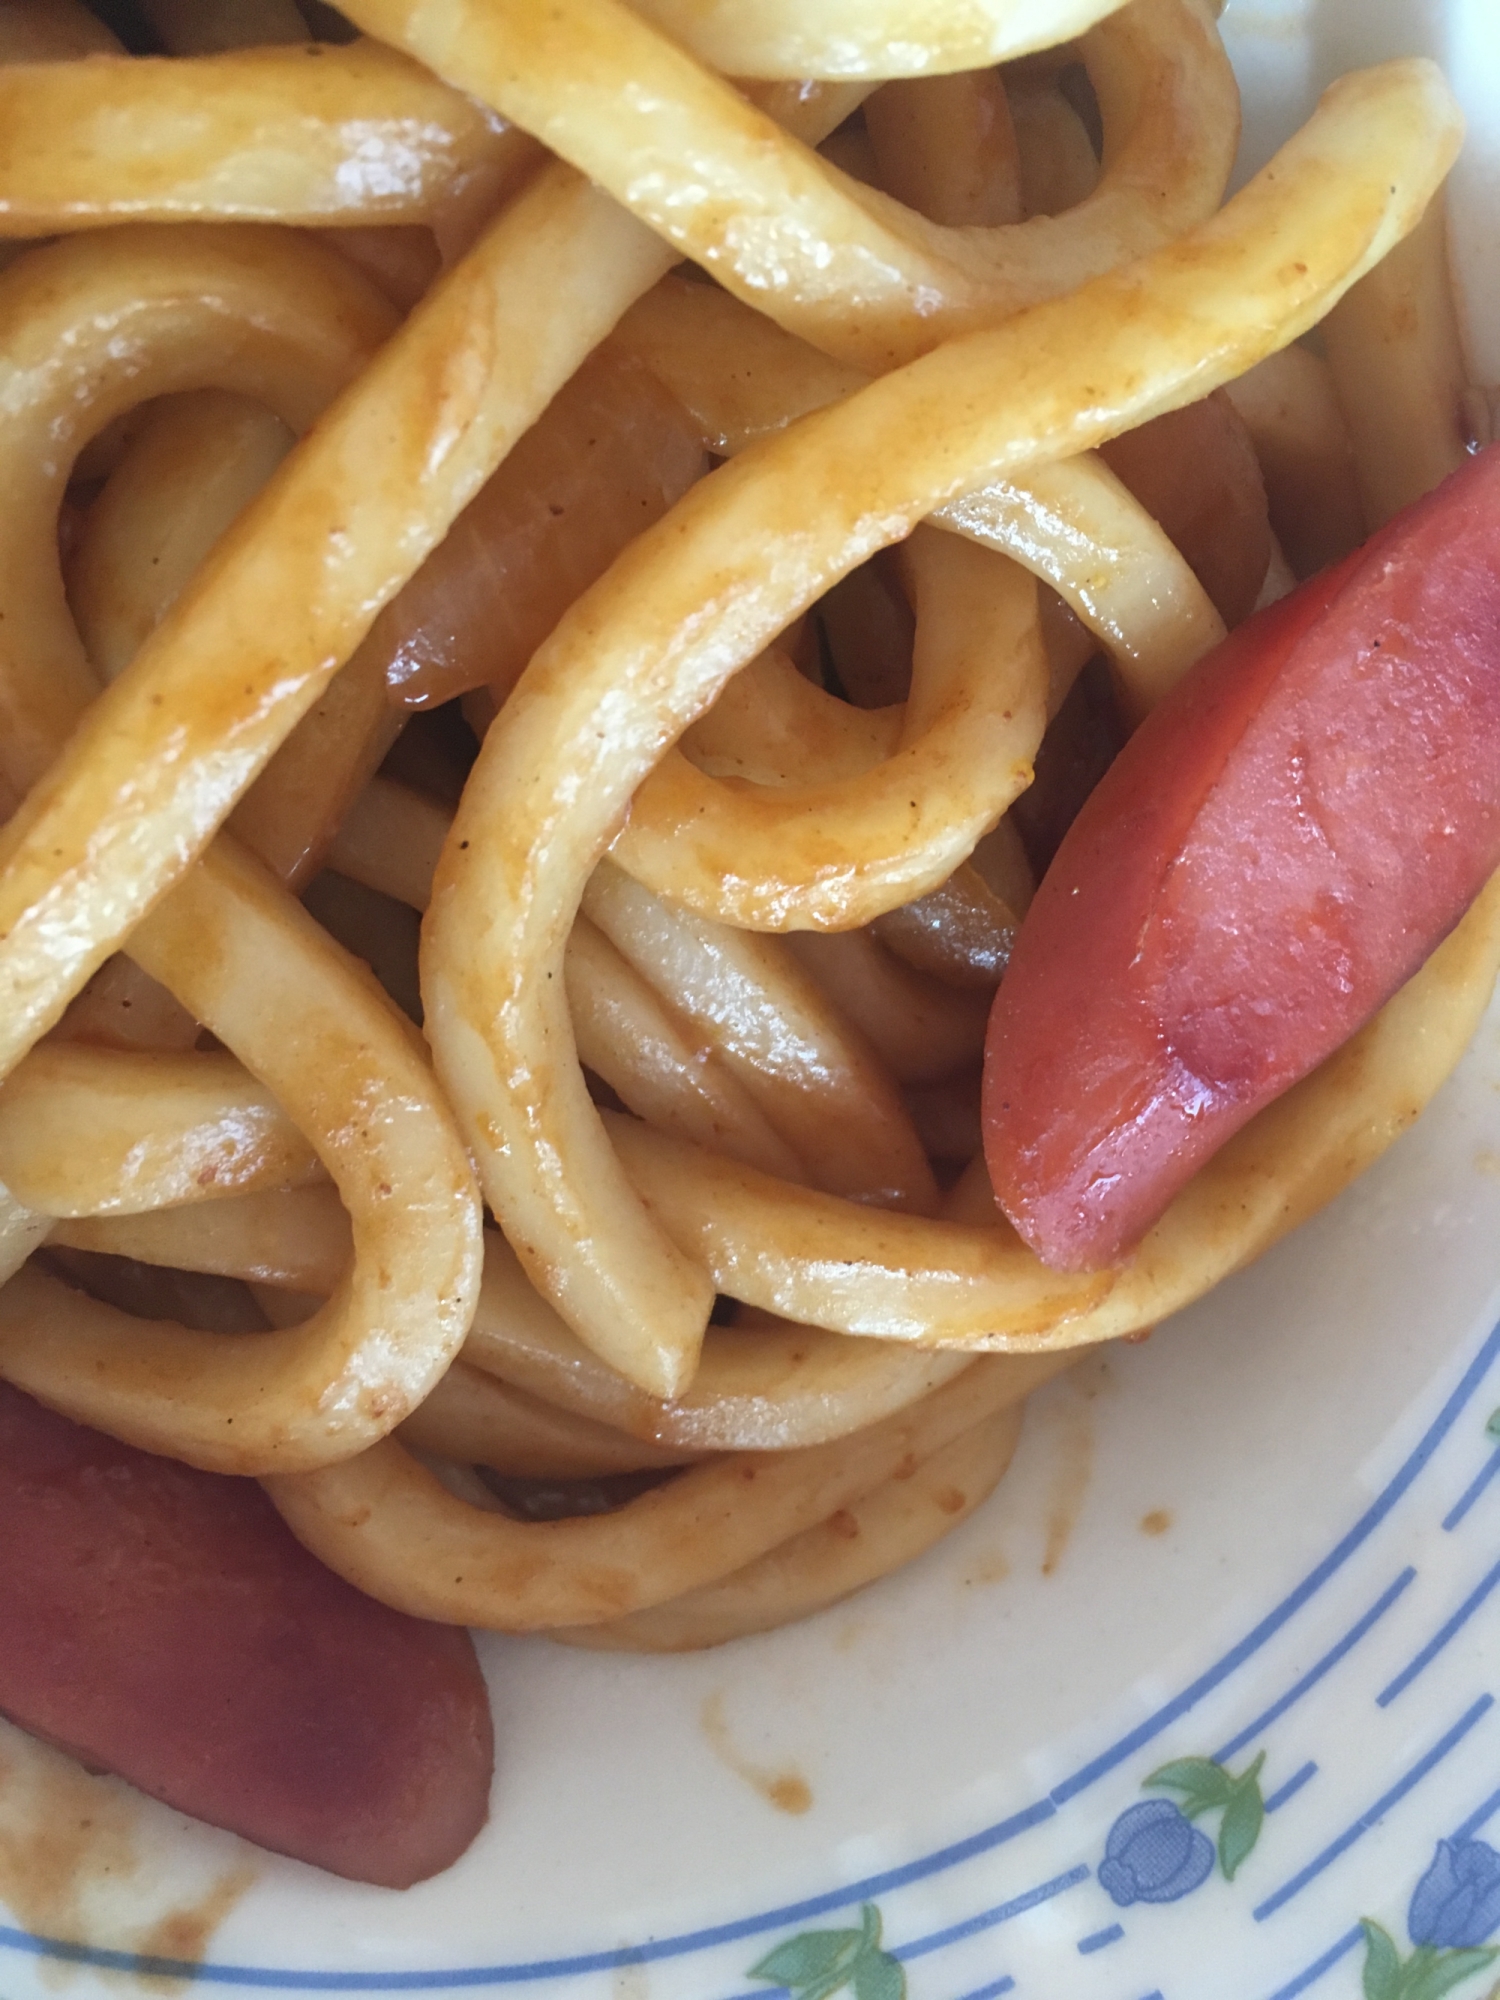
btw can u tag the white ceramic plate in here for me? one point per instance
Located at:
(1265, 1540)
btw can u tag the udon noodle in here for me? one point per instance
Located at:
(777, 433)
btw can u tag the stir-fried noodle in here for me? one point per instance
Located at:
(791, 439)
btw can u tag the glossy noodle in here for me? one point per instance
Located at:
(668, 539)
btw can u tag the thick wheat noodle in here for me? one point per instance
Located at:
(195, 462)
(834, 856)
(631, 1026)
(243, 956)
(121, 1008)
(308, 135)
(391, 840)
(842, 851)
(1397, 361)
(118, 820)
(768, 1385)
(640, 652)
(181, 483)
(878, 1533)
(946, 147)
(822, 1088)
(91, 328)
(402, 259)
(227, 942)
(390, 1527)
(923, 1031)
(1073, 524)
(839, 854)
(773, 726)
(296, 1238)
(86, 1131)
(648, 1054)
(854, 38)
(849, 269)
(1288, 405)
(22, 1230)
(900, 1278)
(249, 935)
(1055, 155)
(475, 1419)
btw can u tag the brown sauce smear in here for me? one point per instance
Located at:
(787, 1791)
(185, 1934)
(62, 1833)
(70, 1863)
(991, 1566)
(1073, 1456)
(1156, 1522)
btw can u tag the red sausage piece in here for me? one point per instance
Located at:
(1280, 845)
(162, 1623)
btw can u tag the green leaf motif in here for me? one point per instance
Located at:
(878, 1977)
(1492, 1428)
(1240, 1827)
(1427, 1975)
(1443, 1973)
(1207, 1787)
(818, 1964)
(1382, 1963)
(1203, 1784)
(809, 1959)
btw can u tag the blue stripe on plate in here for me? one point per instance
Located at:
(1442, 1748)
(1477, 1818)
(1440, 1638)
(1291, 1788)
(1293, 1602)
(1319, 1966)
(1472, 1491)
(983, 1842)
(1100, 1939)
(1006, 1985)
(1316, 1672)
(986, 1920)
